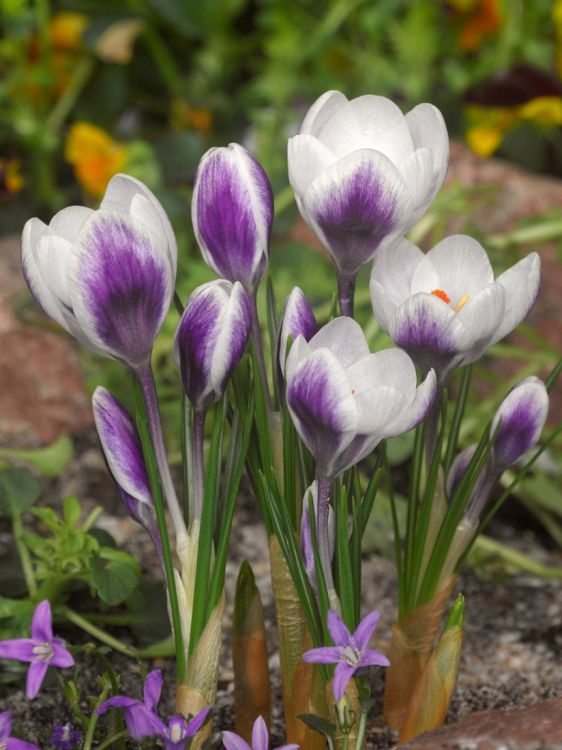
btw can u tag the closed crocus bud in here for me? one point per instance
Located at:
(444, 308)
(211, 338)
(122, 449)
(344, 400)
(106, 276)
(521, 417)
(362, 171)
(306, 539)
(298, 320)
(232, 214)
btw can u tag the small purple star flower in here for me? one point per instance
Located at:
(11, 743)
(41, 650)
(350, 652)
(260, 739)
(65, 736)
(143, 721)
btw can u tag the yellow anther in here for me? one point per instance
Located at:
(461, 303)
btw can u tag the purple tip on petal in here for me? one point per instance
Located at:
(298, 320)
(41, 624)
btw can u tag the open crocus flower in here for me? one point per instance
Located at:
(106, 276)
(260, 739)
(42, 650)
(444, 307)
(362, 171)
(210, 339)
(345, 400)
(122, 449)
(232, 214)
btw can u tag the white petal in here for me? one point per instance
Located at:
(300, 349)
(383, 307)
(33, 231)
(394, 266)
(417, 171)
(482, 315)
(68, 222)
(521, 284)
(369, 121)
(321, 111)
(428, 128)
(344, 337)
(458, 265)
(307, 157)
(417, 410)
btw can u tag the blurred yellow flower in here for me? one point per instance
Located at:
(489, 125)
(95, 156)
(557, 19)
(66, 31)
(11, 180)
(182, 116)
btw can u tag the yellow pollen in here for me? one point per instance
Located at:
(461, 303)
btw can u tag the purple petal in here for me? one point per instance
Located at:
(338, 629)
(298, 320)
(141, 722)
(19, 649)
(232, 741)
(355, 203)
(15, 744)
(211, 338)
(260, 735)
(197, 722)
(322, 406)
(522, 414)
(42, 623)
(232, 213)
(342, 676)
(121, 285)
(61, 655)
(323, 655)
(5, 725)
(35, 676)
(458, 468)
(118, 701)
(365, 630)
(175, 734)
(153, 688)
(373, 658)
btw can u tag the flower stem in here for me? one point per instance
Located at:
(258, 344)
(360, 741)
(88, 739)
(114, 737)
(346, 292)
(323, 530)
(197, 463)
(98, 633)
(23, 552)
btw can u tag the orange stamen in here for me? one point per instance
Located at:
(442, 295)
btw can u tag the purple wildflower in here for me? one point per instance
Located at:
(41, 650)
(260, 739)
(350, 652)
(65, 736)
(11, 743)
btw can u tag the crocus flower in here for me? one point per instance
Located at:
(210, 339)
(41, 650)
(260, 739)
(232, 214)
(106, 276)
(345, 400)
(142, 719)
(349, 652)
(122, 449)
(444, 307)
(298, 320)
(11, 743)
(362, 172)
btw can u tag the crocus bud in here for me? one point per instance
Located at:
(362, 171)
(211, 338)
(306, 539)
(521, 417)
(344, 400)
(122, 449)
(106, 276)
(298, 320)
(232, 214)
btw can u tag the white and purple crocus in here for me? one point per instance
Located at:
(42, 650)
(362, 172)
(260, 739)
(142, 720)
(350, 652)
(444, 307)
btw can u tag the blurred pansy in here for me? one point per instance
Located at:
(444, 308)
(350, 652)
(298, 320)
(232, 214)
(106, 276)
(260, 739)
(210, 339)
(95, 156)
(362, 171)
(11, 180)
(344, 400)
(42, 650)
(11, 743)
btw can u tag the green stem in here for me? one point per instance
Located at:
(98, 633)
(360, 741)
(114, 737)
(23, 552)
(94, 720)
